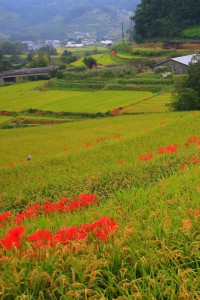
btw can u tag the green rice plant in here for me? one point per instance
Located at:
(28, 95)
(157, 103)
(144, 170)
(102, 59)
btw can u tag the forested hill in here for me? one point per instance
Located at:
(56, 18)
(166, 18)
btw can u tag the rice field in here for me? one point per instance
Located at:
(102, 59)
(31, 95)
(105, 208)
(153, 104)
(129, 56)
(82, 50)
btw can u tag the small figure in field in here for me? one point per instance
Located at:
(29, 157)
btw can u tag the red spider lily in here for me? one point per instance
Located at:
(194, 160)
(116, 111)
(161, 150)
(103, 228)
(146, 157)
(171, 148)
(21, 161)
(33, 208)
(120, 161)
(100, 140)
(61, 206)
(4, 217)
(182, 167)
(12, 238)
(24, 215)
(192, 139)
(11, 165)
(194, 212)
(64, 235)
(40, 235)
(117, 136)
(88, 144)
(83, 201)
(49, 207)
(5, 113)
(66, 149)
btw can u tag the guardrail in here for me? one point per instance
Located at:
(30, 71)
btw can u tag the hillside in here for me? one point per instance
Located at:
(57, 19)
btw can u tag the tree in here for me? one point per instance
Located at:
(39, 61)
(11, 48)
(90, 62)
(67, 57)
(187, 89)
(48, 50)
(5, 64)
(165, 18)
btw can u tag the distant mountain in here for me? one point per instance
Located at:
(58, 19)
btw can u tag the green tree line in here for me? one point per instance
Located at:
(165, 18)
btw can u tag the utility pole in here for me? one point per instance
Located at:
(131, 31)
(122, 31)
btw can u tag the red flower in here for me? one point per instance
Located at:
(146, 157)
(161, 150)
(4, 217)
(117, 136)
(171, 148)
(182, 167)
(40, 235)
(192, 139)
(13, 238)
(88, 144)
(194, 160)
(194, 212)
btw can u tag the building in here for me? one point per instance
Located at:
(177, 64)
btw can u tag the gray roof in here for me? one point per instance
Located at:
(185, 60)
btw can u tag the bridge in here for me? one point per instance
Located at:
(13, 74)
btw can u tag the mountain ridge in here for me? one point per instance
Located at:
(21, 19)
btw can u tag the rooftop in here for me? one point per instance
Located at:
(185, 60)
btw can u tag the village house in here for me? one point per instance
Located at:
(177, 64)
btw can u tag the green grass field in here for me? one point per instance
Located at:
(24, 96)
(134, 232)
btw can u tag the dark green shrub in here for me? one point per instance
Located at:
(187, 99)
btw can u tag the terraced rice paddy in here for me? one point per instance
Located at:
(31, 95)
(102, 59)
(105, 209)
(153, 104)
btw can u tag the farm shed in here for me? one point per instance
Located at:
(177, 64)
